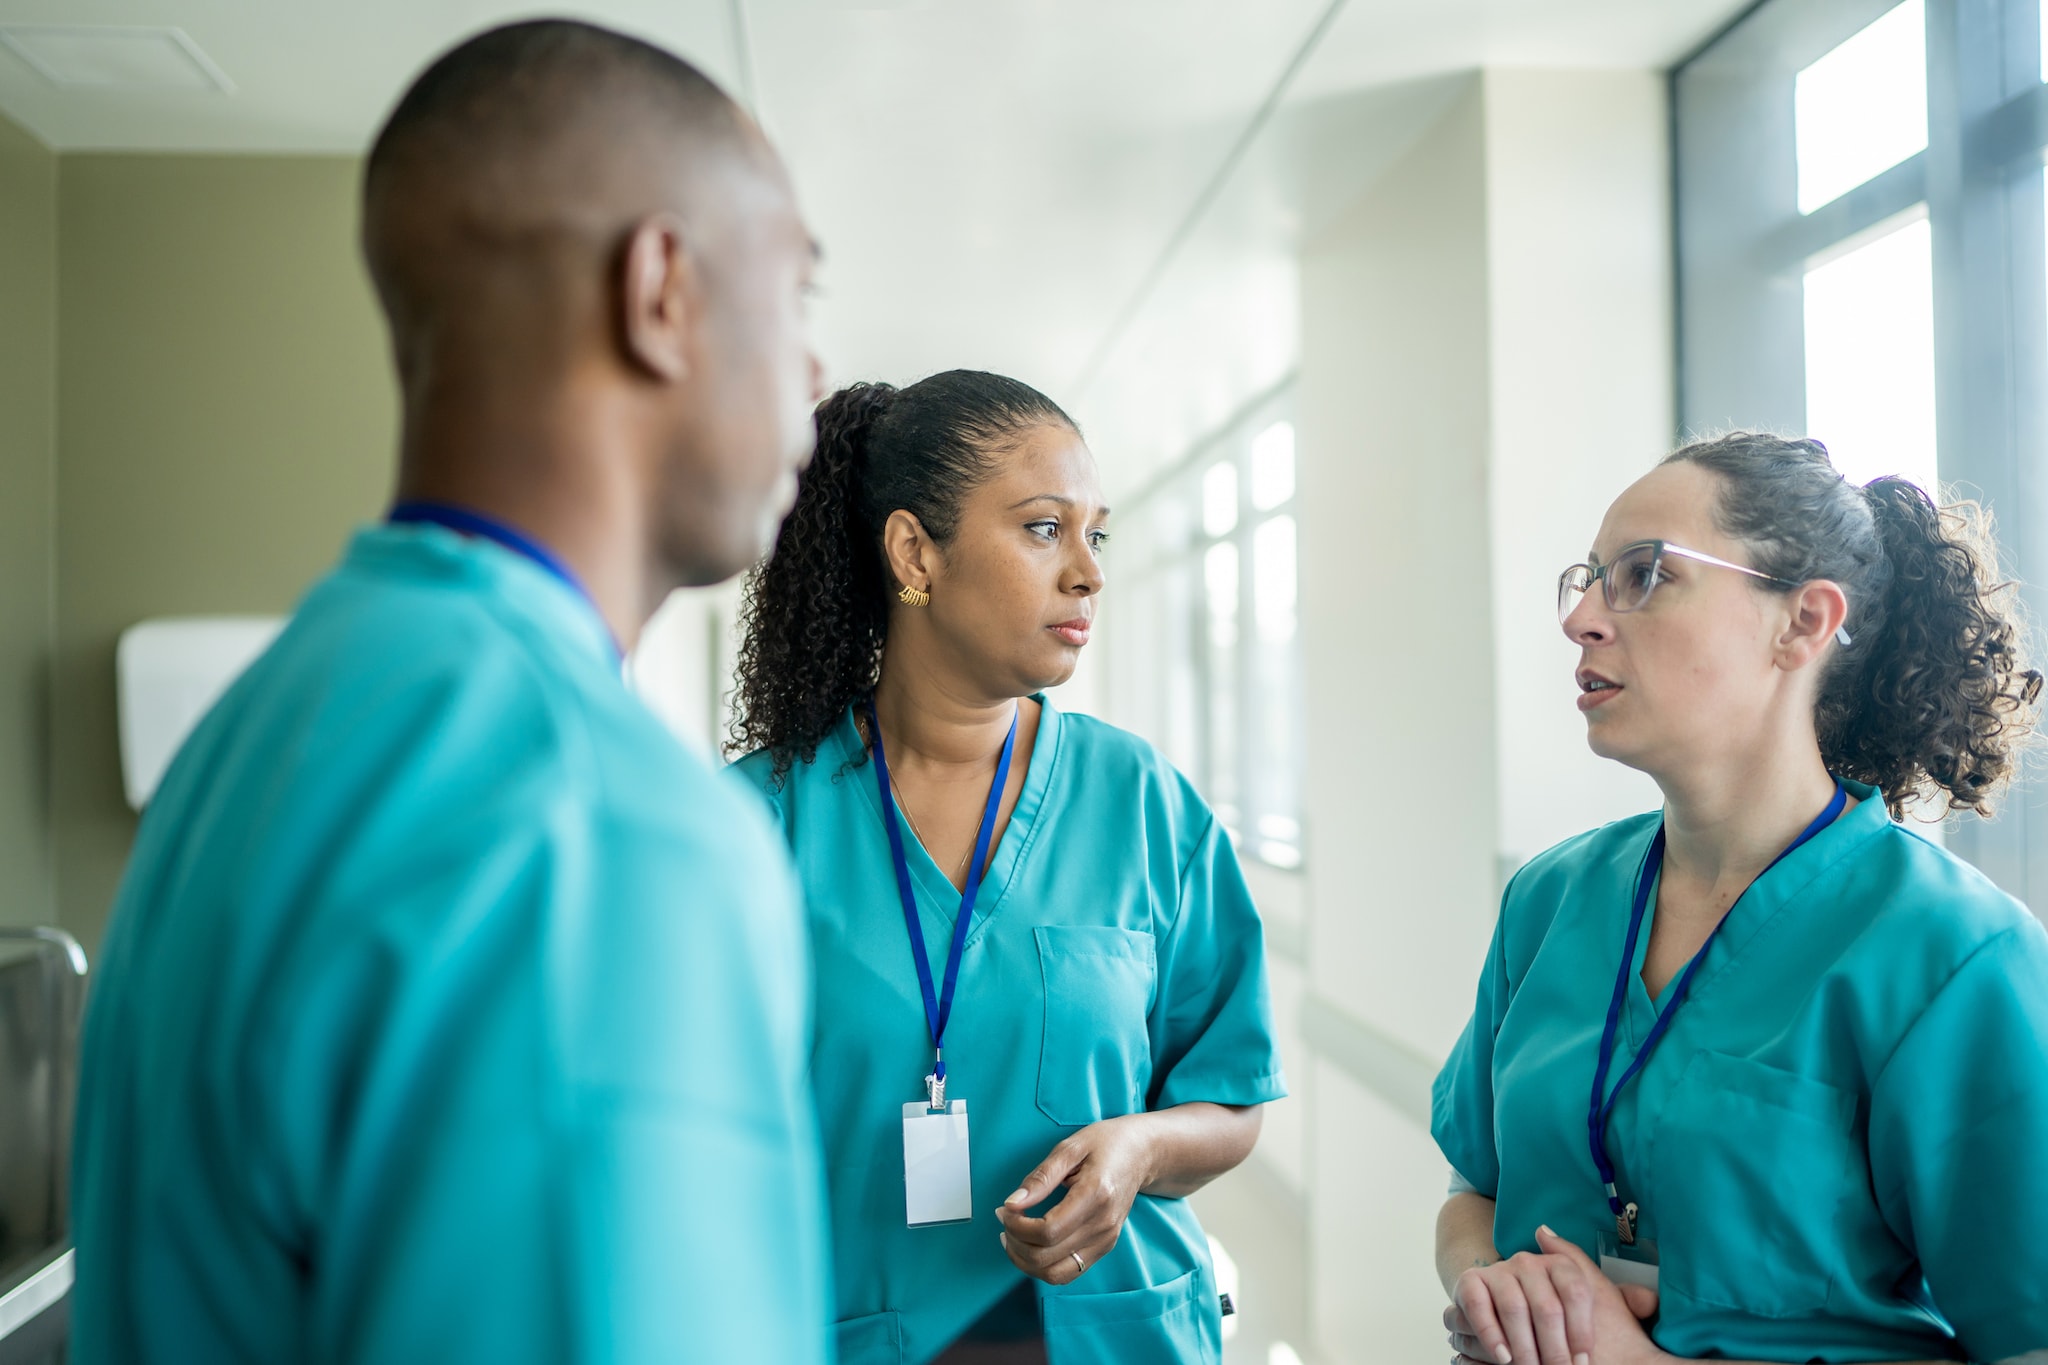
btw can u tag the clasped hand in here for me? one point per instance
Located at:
(1553, 1307)
(1102, 1167)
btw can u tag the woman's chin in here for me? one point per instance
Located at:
(1608, 741)
(1050, 672)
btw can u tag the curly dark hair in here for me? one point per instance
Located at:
(1933, 695)
(815, 614)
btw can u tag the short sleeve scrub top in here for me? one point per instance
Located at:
(1115, 964)
(1839, 1149)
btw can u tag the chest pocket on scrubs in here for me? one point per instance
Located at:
(1095, 1061)
(1752, 1165)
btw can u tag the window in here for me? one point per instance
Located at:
(1861, 258)
(1862, 108)
(1869, 318)
(1208, 652)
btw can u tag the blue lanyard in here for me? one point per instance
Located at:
(465, 522)
(1604, 1100)
(938, 1007)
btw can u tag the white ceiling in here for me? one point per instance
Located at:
(1010, 184)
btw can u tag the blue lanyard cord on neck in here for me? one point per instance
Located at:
(938, 1006)
(1604, 1100)
(465, 522)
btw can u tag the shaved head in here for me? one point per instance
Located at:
(575, 233)
(536, 144)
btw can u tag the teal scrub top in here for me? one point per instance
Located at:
(1841, 1146)
(450, 1011)
(1116, 965)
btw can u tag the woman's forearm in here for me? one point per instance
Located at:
(1192, 1144)
(1464, 1237)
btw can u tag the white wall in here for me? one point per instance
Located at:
(1486, 361)
(683, 666)
(1578, 237)
(1393, 440)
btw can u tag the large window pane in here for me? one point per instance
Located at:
(1870, 357)
(1273, 466)
(1219, 499)
(1862, 108)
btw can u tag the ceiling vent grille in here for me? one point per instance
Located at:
(116, 57)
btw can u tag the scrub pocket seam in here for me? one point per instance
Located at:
(1098, 982)
(870, 1339)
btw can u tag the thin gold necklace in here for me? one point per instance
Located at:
(905, 807)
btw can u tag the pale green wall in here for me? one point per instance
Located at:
(28, 435)
(225, 417)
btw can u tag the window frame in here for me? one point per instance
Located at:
(1230, 443)
(1742, 249)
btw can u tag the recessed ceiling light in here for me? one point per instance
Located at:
(124, 57)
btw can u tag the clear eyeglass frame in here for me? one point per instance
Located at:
(1629, 579)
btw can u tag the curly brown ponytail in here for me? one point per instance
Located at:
(1933, 695)
(815, 615)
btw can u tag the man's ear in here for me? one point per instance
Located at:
(659, 298)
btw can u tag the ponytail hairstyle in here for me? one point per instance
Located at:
(1933, 695)
(815, 614)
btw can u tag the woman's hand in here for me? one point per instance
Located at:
(1103, 1167)
(1549, 1308)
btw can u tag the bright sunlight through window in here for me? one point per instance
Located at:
(1862, 108)
(1219, 499)
(1273, 466)
(1870, 357)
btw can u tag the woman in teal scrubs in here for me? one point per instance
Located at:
(1103, 1010)
(1769, 1058)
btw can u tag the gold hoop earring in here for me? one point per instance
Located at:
(913, 597)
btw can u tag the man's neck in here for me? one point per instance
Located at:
(530, 475)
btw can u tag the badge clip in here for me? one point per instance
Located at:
(1627, 1262)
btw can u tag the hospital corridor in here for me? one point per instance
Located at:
(650, 650)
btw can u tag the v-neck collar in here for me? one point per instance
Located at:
(1757, 908)
(937, 897)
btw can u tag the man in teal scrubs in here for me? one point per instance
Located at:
(450, 1010)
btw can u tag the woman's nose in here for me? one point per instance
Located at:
(1085, 575)
(1587, 622)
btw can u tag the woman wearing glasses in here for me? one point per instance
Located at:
(1038, 968)
(1775, 1063)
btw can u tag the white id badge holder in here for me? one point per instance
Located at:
(1628, 1263)
(936, 1187)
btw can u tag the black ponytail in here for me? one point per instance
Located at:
(1933, 696)
(815, 614)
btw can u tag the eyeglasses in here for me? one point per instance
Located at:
(1627, 581)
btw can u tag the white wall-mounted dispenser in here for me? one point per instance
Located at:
(168, 673)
